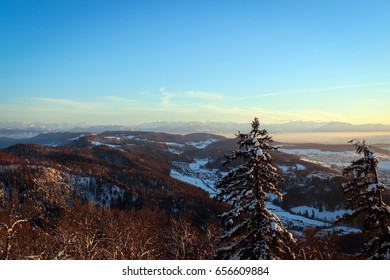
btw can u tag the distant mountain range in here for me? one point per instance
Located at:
(26, 130)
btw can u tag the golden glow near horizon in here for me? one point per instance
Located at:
(343, 105)
(333, 137)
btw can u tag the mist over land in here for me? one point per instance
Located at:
(294, 132)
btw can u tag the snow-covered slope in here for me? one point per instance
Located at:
(297, 222)
(327, 216)
(197, 174)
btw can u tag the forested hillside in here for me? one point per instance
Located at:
(145, 195)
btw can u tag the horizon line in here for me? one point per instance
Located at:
(193, 121)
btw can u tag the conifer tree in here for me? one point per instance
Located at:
(364, 196)
(252, 231)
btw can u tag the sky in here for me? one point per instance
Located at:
(132, 62)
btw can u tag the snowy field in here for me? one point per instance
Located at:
(339, 160)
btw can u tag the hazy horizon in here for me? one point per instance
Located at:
(177, 122)
(134, 62)
(296, 132)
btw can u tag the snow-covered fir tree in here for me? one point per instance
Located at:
(252, 231)
(364, 198)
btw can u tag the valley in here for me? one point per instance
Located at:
(172, 175)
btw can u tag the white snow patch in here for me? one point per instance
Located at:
(189, 179)
(300, 166)
(112, 138)
(296, 223)
(292, 220)
(284, 168)
(202, 144)
(292, 167)
(320, 175)
(328, 216)
(175, 151)
(197, 174)
(76, 138)
(97, 143)
(173, 147)
(174, 144)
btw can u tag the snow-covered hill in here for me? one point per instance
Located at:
(311, 174)
(197, 172)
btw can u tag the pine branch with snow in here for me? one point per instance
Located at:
(364, 198)
(252, 232)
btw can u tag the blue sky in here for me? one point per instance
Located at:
(130, 62)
